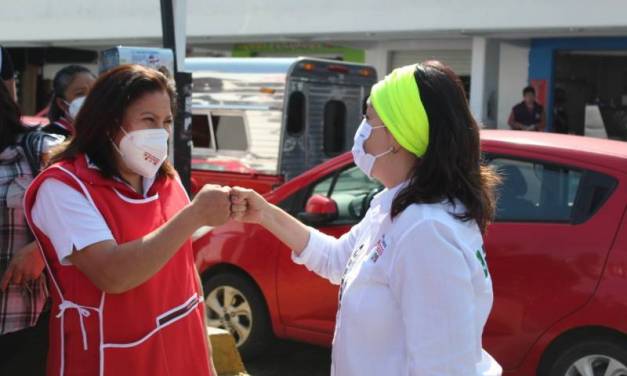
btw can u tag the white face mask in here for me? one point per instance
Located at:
(363, 160)
(144, 151)
(74, 106)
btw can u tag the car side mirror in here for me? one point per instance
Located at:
(319, 210)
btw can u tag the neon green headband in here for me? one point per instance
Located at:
(396, 99)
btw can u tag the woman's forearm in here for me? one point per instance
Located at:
(119, 268)
(287, 228)
(160, 244)
(327, 255)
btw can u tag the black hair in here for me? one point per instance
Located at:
(10, 119)
(529, 90)
(61, 82)
(452, 168)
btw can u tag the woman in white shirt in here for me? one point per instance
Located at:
(415, 289)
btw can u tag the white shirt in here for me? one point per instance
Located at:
(415, 292)
(68, 219)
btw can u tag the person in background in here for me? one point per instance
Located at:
(23, 293)
(7, 72)
(69, 89)
(527, 115)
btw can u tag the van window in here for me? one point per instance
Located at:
(334, 136)
(201, 135)
(230, 132)
(296, 114)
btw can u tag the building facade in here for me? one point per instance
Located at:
(573, 52)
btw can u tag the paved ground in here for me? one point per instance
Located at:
(287, 358)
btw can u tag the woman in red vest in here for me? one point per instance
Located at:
(114, 224)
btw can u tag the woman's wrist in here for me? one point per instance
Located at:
(193, 215)
(268, 216)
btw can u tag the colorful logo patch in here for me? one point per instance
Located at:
(379, 248)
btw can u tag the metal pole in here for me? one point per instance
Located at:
(181, 142)
(167, 29)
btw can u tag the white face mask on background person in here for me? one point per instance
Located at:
(362, 159)
(144, 151)
(74, 106)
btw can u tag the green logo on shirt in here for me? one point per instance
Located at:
(481, 257)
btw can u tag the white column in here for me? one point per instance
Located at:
(477, 76)
(513, 77)
(379, 57)
(484, 80)
(180, 31)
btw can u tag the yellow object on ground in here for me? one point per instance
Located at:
(226, 358)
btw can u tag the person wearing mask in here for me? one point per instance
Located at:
(7, 72)
(69, 89)
(23, 292)
(115, 224)
(415, 289)
(527, 115)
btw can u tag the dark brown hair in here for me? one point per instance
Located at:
(452, 168)
(100, 117)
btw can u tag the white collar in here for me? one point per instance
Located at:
(147, 184)
(385, 198)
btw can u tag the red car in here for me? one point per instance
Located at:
(557, 252)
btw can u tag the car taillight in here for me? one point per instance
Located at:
(338, 69)
(365, 72)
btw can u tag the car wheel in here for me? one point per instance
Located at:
(592, 358)
(235, 304)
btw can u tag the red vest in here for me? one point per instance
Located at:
(154, 329)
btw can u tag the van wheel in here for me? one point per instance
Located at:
(591, 358)
(235, 304)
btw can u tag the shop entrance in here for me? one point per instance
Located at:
(590, 93)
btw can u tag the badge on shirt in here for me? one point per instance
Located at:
(379, 248)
